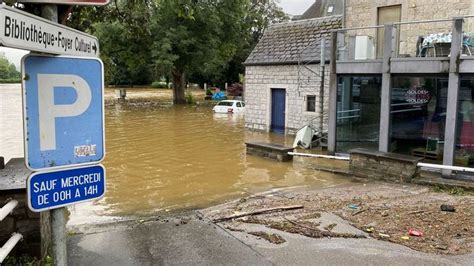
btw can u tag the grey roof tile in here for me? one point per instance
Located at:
(293, 41)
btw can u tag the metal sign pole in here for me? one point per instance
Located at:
(58, 216)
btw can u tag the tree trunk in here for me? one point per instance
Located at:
(178, 87)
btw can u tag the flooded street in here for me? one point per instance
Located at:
(170, 158)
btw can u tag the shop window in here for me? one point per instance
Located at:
(464, 154)
(418, 115)
(358, 112)
(310, 103)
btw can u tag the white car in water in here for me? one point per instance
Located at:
(229, 107)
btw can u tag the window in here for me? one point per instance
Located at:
(418, 115)
(464, 155)
(330, 9)
(238, 104)
(310, 103)
(225, 104)
(386, 15)
(358, 112)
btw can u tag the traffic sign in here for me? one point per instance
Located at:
(28, 32)
(54, 189)
(63, 111)
(69, 2)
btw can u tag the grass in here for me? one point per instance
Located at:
(457, 191)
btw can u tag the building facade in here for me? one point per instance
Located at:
(284, 77)
(402, 80)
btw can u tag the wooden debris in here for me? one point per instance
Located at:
(416, 212)
(257, 212)
(359, 211)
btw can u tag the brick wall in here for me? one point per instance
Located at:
(258, 83)
(361, 13)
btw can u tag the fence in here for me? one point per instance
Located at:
(16, 237)
(424, 38)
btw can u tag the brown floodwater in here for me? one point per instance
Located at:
(166, 157)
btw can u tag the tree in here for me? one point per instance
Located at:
(122, 28)
(258, 15)
(184, 40)
(194, 37)
(8, 70)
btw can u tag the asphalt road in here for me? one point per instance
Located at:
(190, 240)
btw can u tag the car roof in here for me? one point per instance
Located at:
(232, 101)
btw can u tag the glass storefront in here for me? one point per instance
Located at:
(358, 112)
(418, 115)
(464, 154)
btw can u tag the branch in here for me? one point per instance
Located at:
(256, 212)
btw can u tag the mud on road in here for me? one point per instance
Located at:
(381, 210)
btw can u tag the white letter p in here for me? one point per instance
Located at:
(48, 111)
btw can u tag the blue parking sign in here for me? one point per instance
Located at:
(63, 111)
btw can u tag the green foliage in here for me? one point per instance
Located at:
(190, 98)
(159, 84)
(124, 36)
(8, 72)
(183, 40)
(23, 260)
(195, 36)
(457, 191)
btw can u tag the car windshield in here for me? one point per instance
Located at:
(225, 103)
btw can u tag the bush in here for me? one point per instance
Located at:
(235, 89)
(11, 80)
(190, 98)
(159, 85)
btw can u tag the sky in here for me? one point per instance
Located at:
(292, 7)
(295, 7)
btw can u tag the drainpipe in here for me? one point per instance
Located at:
(344, 3)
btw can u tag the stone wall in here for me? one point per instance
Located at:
(360, 13)
(25, 222)
(383, 165)
(259, 80)
(270, 151)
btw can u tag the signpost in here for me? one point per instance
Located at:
(25, 31)
(68, 2)
(54, 189)
(63, 111)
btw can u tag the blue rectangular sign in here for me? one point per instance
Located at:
(63, 111)
(54, 189)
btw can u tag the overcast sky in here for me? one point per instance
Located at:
(295, 7)
(292, 7)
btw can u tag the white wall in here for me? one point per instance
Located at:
(259, 80)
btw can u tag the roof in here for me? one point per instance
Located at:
(322, 8)
(290, 42)
(314, 11)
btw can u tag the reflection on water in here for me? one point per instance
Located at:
(11, 123)
(179, 157)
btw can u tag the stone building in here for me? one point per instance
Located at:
(284, 80)
(362, 13)
(402, 81)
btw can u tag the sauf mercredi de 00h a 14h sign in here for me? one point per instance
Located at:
(50, 190)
